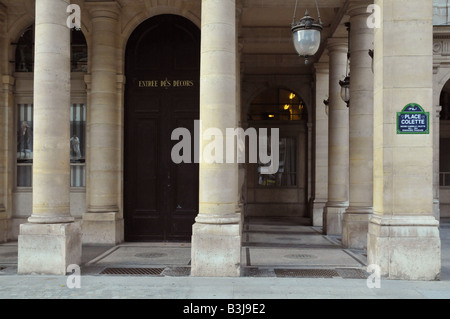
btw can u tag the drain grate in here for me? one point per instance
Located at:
(133, 271)
(258, 272)
(353, 273)
(307, 273)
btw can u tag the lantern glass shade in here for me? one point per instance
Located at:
(345, 89)
(306, 41)
(345, 94)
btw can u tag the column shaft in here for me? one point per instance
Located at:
(338, 141)
(51, 156)
(216, 233)
(403, 237)
(4, 128)
(356, 219)
(321, 144)
(101, 222)
(51, 241)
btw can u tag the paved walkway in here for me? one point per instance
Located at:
(285, 263)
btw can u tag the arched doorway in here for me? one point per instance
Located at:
(162, 93)
(444, 155)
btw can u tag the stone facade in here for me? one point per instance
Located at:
(355, 176)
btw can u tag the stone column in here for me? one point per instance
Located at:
(355, 222)
(436, 171)
(321, 143)
(216, 239)
(7, 138)
(103, 223)
(4, 127)
(338, 140)
(403, 237)
(51, 240)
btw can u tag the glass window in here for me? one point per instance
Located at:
(25, 145)
(77, 145)
(79, 54)
(287, 172)
(277, 104)
(25, 51)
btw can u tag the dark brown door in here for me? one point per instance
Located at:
(162, 94)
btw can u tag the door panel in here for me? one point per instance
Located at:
(160, 197)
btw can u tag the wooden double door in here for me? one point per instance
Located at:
(162, 94)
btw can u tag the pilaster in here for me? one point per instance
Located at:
(356, 219)
(403, 237)
(338, 140)
(103, 223)
(320, 133)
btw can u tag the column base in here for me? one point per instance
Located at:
(48, 248)
(332, 219)
(216, 250)
(436, 209)
(103, 228)
(317, 212)
(4, 230)
(4, 225)
(405, 247)
(355, 225)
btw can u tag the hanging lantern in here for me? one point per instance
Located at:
(306, 34)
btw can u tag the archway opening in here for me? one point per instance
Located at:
(444, 155)
(282, 195)
(162, 94)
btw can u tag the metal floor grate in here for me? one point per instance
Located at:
(307, 273)
(133, 271)
(257, 272)
(353, 273)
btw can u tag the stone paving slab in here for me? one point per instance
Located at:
(262, 239)
(145, 255)
(265, 257)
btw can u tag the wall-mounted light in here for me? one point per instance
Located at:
(326, 103)
(345, 89)
(345, 84)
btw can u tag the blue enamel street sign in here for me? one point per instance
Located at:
(413, 120)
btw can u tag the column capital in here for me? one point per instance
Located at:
(8, 80)
(104, 9)
(322, 67)
(358, 7)
(337, 45)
